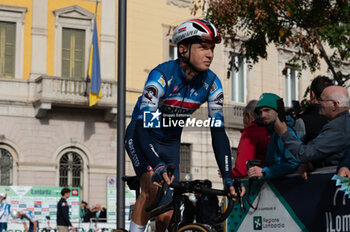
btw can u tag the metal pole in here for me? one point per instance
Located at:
(121, 113)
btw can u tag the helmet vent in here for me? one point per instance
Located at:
(198, 27)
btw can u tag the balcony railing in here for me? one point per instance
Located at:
(60, 90)
(47, 91)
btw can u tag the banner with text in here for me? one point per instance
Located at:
(41, 200)
(293, 204)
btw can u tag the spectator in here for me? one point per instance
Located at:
(99, 213)
(207, 207)
(4, 212)
(85, 212)
(309, 125)
(253, 142)
(334, 138)
(62, 216)
(279, 160)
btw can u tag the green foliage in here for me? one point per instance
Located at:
(305, 25)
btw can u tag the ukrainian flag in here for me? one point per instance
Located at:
(94, 71)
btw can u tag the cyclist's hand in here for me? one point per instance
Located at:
(160, 175)
(229, 185)
(73, 228)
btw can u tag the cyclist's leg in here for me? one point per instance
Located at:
(139, 216)
(148, 192)
(169, 152)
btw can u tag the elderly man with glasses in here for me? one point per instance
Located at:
(334, 139)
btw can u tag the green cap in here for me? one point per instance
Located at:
(267, 100)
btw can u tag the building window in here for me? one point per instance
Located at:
(5, 167)
(71, 170)
(239, 79)
(11, 41)
(185, 159)
(73, 34)
(73, 52)
(7, 49)
(292, 85)
(172, 51)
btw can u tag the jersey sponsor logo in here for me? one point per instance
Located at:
(161, 81)
(170, 109)
(176, 88)
(219, 100)
(169, 81)
(150, 92)
(213, 88)
(134, 158)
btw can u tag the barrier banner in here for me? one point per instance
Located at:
(293, 204)
(41, 200)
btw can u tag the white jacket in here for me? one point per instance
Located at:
(4, 211)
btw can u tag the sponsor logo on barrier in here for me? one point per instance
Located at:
(257, 223)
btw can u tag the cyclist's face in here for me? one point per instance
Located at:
(202, 55)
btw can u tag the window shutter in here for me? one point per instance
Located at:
(73, 52)
(7, 49)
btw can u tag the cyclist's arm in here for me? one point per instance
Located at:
(35, 225)
(25, 226)
(220, 141)
(154, 89)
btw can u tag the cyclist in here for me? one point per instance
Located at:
(28, 215)
(176, 88)
(4, 212)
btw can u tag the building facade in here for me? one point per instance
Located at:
(48, 134)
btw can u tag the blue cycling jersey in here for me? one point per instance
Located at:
(167, 90)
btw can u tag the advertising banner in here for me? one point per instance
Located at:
(130, 198)
(41, 200)
(293, 204)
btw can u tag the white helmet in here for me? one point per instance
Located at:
(195, 30)
(4, 195)
(14, 213)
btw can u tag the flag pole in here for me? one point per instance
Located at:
(121, 113)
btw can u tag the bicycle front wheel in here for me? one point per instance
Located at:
(195, 228)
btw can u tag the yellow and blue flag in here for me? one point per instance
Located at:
(94, 71)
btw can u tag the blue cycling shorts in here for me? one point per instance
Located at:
(167, 149)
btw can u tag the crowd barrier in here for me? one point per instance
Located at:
(293, 204)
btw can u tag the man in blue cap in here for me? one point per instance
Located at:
(279, 160)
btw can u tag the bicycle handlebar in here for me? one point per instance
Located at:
(195, 186)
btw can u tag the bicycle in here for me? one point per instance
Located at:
(49, 228)
(180, 188)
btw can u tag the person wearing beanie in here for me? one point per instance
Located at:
(279, 160)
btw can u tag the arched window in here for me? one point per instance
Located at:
(71, 170)
(5, 167)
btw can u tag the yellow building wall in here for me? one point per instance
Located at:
(145, 38)
(27, 51)
(55, 5)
